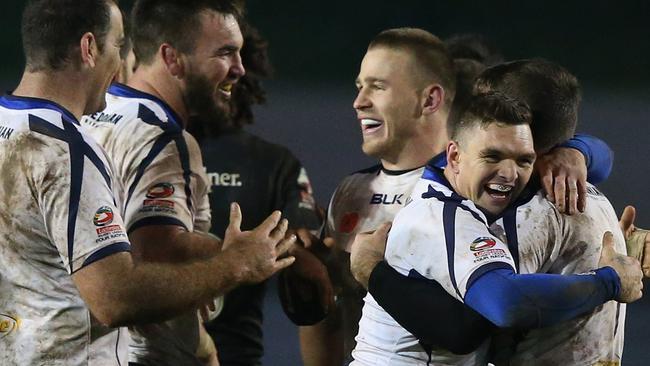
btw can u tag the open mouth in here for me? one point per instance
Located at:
(226, 89)
(499, 191)
(370, 125)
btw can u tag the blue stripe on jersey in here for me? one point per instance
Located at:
(23, 103)
(79, 149)
(449, 225)
(122, 90)
(170, 133)
(155, 220)
(106, 251)
(510, 227)
(184, 154)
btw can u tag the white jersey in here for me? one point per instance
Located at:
(444, 238)
(362, 201)
(549, 242)
(161, 168)
(58, 213)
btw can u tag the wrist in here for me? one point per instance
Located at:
(610, 280)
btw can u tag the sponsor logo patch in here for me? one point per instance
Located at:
(110, 232)
(8, 324)
(103, 216)
(482, 243)
(349, 222)
(160, 190)
(158, 206)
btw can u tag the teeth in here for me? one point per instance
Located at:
(370, 122)
(226, 87)
(500, 187)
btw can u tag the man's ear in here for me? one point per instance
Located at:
(453, 156)
(88, 49)
(434, 97)
(172, 59)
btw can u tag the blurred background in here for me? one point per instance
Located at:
(316, 48)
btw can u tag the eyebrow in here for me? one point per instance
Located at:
(492, 151)
(371, 80)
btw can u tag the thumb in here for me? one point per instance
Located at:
(608, 250)
(383, 230)
(627, 219)
(234, 226)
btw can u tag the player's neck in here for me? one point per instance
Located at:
(47, 85)
(417, 152)
(152, 81)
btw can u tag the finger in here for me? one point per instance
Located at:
(284, 245)
(326, 293)
(572, 199)
(329, 242)
(270, 223)
(305, 237)
(560, 193)
(547, 184)
(280, 230)
(582, 194)
(283, 263)
(234, 225)
(627, 220)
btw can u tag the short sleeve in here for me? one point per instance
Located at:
(77, 203)
(169, 186)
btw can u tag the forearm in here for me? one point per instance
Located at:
(538, 300)
(598, 156)
(172, 244)
(427, 311)
(150, 292)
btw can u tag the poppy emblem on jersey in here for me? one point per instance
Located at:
(349, 221)
(8, 324)
(482, 243)
(103, 216)
(160, 190)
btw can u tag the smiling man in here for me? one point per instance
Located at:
(445, 236)
(188, 61)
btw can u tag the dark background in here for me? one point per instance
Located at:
(316, 47)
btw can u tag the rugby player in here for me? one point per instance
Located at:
(406, 84)
(261, 177)
(540, 238)
(445, 236)
(188, 61)
(68, 277)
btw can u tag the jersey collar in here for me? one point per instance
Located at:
(126, 91)
(23, 103)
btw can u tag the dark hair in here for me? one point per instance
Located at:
(248, 90)
(128, 43)
(551, 91)
(474, 47)
(427, 50)
(172, 21)
(491, 107)
(466, 72)
(51, 30)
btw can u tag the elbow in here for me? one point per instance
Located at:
(512, 316)
(112, 315)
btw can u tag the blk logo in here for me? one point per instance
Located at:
(384, 199)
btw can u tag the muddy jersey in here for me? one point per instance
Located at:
(362, 201)
(542, 240)
(547, 241)
(58, 214)
(441, 237)
(160, 166)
